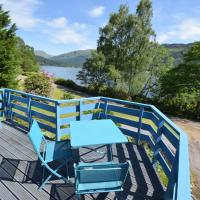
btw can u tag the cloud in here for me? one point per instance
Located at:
(186, 30)
(22, 12)
(97, 12)
(57, 30)
(60, 31)
(57, 22)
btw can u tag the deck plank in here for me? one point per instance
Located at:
(22, 171)
(12, 152)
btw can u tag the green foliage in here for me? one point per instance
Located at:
(67, 95)
(159, 66)
(125, 42)
(71, 84)
(9, 64)
(180, 87)
(127, 57)
(177, 51)
(95, 73)
(193, 54)
(64, 82)
(27, 57)
(103, 91)
(38, 83)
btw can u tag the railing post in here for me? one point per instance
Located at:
(58, 136)
(105, 109)
(29, 112)
(2, 109)
(2, 103)
(7, 105)
(156, 148)
(171, 186)
(78, 109)
(140, 124)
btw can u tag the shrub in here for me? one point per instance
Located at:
(182, 104)
(67, 95)
(114, 93)
(38, 83)
(66, 83)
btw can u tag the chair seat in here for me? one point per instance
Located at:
(82, 164)
(102, 186)
(100, 177)
(57, 150)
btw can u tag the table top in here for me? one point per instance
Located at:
(95, 132)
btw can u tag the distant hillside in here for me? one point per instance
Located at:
(44, 61)
(42, 54)
(177, 51)
(77, 58)
(74, 58)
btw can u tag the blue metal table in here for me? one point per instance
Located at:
(95, 132)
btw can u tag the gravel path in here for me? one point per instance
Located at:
(192, 129)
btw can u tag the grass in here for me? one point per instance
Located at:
(158, 167)
(58, 93)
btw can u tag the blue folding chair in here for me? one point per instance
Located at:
(100, 177)
(52, 151)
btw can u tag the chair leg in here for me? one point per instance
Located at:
(45, 181)
(117, 196)
(109, 149)
(43, 171)
(67, 170)
(79, 196)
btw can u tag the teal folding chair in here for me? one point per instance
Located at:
(52, 151)
(100, 177)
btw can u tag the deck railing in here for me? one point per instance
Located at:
(142, 122)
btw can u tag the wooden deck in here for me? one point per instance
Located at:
(20, 171)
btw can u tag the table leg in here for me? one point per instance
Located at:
(109, 150)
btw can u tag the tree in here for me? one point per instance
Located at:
(186, 76)
(27, 57)
(133, 61)
(193, 54)
(95, 73)
(181, 85)
(128, 44)
(9, 63)
(161, 63)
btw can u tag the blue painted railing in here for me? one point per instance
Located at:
(143, 122)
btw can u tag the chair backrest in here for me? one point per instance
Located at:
(36, 136)
(101, 172)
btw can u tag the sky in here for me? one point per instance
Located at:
(60, 26)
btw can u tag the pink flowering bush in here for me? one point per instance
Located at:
(39, 83)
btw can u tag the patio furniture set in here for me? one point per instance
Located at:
(90, 177)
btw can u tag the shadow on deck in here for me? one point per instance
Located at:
(20, 171)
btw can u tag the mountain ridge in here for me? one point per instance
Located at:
(78, 57)
(42, 54)
(70, 59)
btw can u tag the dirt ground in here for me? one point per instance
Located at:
(192, 129)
